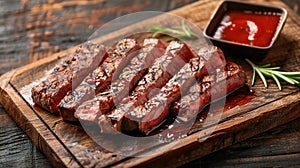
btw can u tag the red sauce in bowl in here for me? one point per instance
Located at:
(252, 28)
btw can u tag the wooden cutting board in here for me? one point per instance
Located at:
(67, 145)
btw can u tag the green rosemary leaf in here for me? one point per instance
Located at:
(295, 80)
(284, 77)
(182, 31)
(262, 77)
(156, 28)
(193, 35)
(266, 72)
(264, 66)
(253, 77)
(271, 68)
(155, 34)
(273, 72)
(277, 82)
(296, 74)
(184, 28)
(251, 63)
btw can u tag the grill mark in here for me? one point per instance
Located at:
(152, 49)
(99, 80)
(66, 75)
(187, 74)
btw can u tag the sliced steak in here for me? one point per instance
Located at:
(120, 88)
(164, 68)
(209, 89)
(194, 69)
(100, 79)
(139, 66)
(146, 117)
(68, 74)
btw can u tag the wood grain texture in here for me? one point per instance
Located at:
(16, 148)
(273, 95)
(269, 149)
(31, 30)
(39, 134)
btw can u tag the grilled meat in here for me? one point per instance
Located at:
(210, 88)
(177, 54)
(67, 75)
(137, 89)
(196, 68)
(152, 48)
(148, 116)
(100, 79)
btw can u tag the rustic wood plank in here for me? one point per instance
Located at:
(16, 148)
(279, 147)
(33, 126)
(57, 127)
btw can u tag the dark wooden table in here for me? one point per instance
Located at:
(31, 30)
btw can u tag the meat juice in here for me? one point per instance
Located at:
(173, 129)
(251, 28)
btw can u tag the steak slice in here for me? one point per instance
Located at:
(99, 79)
(176, 55)
(184, 78)
(209, 89)
(68, 74)
(145, 118)
(152, 49)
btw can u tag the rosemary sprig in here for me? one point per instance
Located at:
(182, 31)
(273, 72)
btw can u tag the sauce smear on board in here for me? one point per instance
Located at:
(252, 28)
